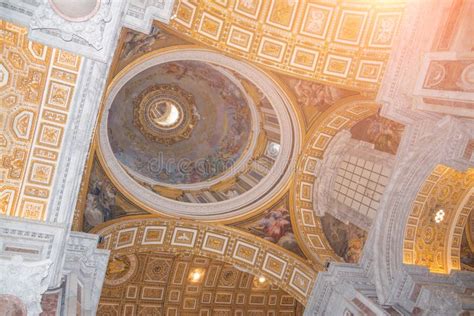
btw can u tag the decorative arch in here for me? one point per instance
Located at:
(243, 250)
(426, 144)
(308, 227)
(436, 245)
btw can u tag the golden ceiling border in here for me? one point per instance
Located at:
(307, 227)
(241, 249)
(220, 24)
(274, 79)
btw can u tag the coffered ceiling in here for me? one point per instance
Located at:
(345, 44)
(156, 283)
(36, 90)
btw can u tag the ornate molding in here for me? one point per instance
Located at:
(77, 140)
(140, 14)
(434, 91)
(336, 289)
(18, 11)
(348, 288)
(416, 288)
(25, 280)
(94, 38)
(88, 264)
(326, 171)
(33, 241)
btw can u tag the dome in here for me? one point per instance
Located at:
(158, 117)
(197, 134)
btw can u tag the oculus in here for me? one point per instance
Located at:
(165, 113)
(189, 123)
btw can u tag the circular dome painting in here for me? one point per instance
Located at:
(179, 123)
(194, 133)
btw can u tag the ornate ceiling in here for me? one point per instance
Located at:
(214, 162)
(285, 221)
(36, 90)
(309, 227)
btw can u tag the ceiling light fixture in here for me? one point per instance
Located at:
(196, 276)
(439, 216)
(262, 279)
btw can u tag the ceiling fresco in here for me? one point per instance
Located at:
(37, 85)
(232, 143)
(103, 202)
(314, 98)
(274, 225)
(221, 128)
(156, 283)
(131, 236)
(134, 44)
(383, 133)
(346, 239)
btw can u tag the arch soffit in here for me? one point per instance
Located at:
(436, 143)
(307, 226)
(437, 245)
(241, 249)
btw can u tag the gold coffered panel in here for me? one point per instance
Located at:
(37, 85)
(344, 44)
(164, 283)
(438, 217)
